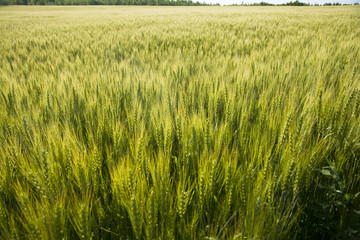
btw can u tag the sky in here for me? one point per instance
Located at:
(229, 2)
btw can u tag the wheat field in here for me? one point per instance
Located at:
(179, 122)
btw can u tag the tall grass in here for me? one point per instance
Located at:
(179, 123)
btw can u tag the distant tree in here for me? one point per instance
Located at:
(296, 3)
(265, 4)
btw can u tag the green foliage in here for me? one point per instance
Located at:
(165, 123)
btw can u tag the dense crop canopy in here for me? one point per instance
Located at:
(179, 123)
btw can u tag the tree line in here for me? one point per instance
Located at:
(295, 3)
(150, 2)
